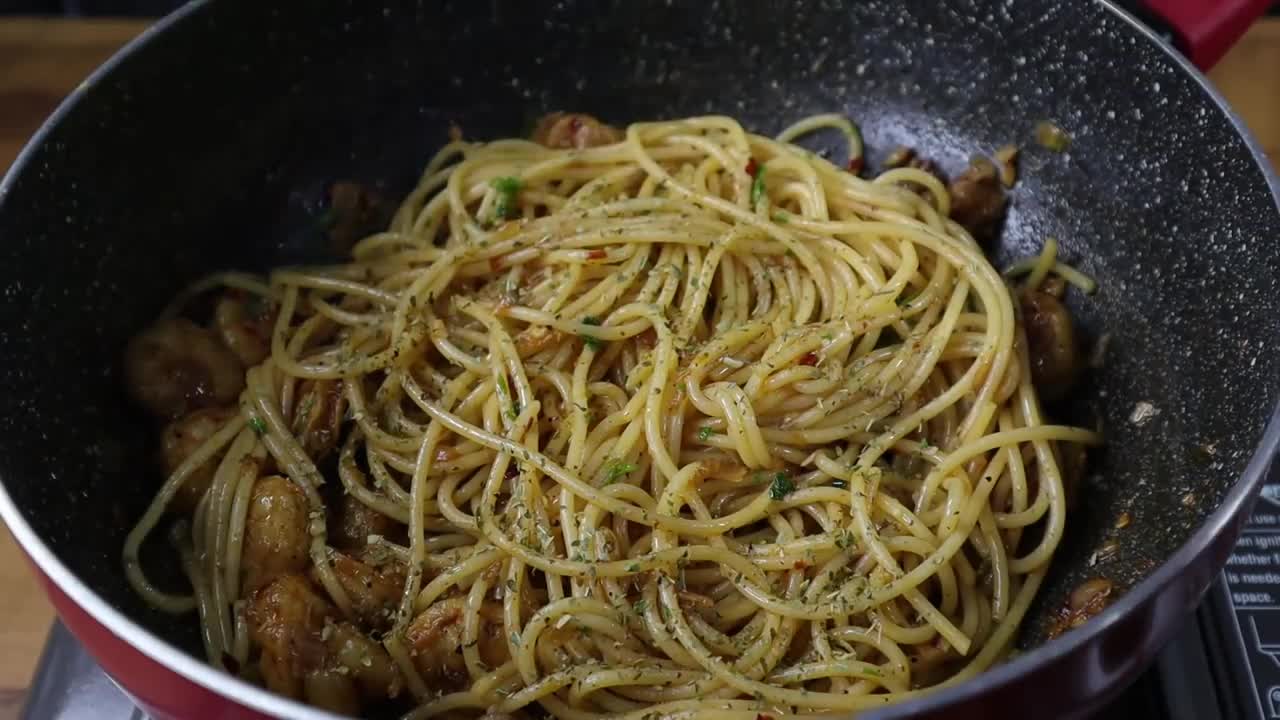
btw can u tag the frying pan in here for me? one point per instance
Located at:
(208, 144)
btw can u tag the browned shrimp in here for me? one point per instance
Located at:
(276, 537)
(176, 366)
(354, 522)
(285, 621)
(374, 591)
(574, 130)
(435, 640)
(183, 437)
(536, 338)
(332, 689)
(318, 418)
(1051, 343)
(306, 655)
(367, 661)
(978, 200)
(244, 322)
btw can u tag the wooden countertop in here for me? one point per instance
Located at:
(43, 60)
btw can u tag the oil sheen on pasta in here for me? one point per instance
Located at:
(678, 420)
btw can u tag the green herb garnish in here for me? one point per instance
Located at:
(514, 411)
(757, 186)
(781, 486)
(705, 433)
(258, 425)
(781, 218)
(633, 567)
(640, 606)
(617, 470)
(507, 189)
(591, 341)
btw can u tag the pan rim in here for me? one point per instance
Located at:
(254, 697)
(140, 638)
(1241, 495)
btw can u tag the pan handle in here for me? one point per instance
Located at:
(1205, 29)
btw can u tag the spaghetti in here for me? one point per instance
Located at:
(693, 423)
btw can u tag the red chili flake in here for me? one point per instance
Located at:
(752, 167)
(495, 262)
(800, 565)
(809, 358)
(856, 164)
(596, 254)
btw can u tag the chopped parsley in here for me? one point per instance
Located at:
(757, 186)
(781, 218)
(513, 412)
(591, 341)
(705, 433)
(781, 486)
(507, 189)
(640, 606)
(258, 425)
(617, 470)
(633, 567)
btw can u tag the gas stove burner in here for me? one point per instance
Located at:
(69, 685)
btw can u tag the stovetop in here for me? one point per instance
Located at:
(1223, 666)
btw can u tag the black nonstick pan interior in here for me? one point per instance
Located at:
(210, 147)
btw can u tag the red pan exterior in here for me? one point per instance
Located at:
(1068, 677)
(161, 692)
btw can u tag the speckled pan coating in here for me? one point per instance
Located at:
(208, 147)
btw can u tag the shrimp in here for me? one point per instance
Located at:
(435, 640)
(373, 670)
(374, 591)
(176, 366)
(183, 437)
(354, 523)
(286, 619)
(574, 130)
(305, 654)
(244, 322)
(1051, 343)
(318, 418)
(276, 538)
